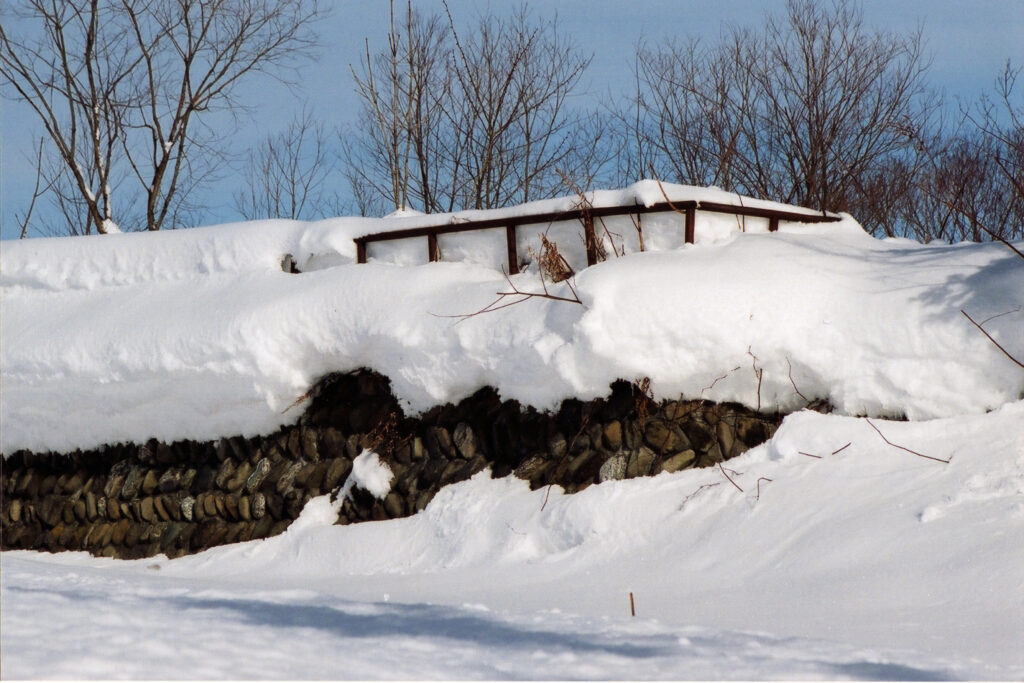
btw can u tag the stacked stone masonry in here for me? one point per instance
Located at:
(138, 500)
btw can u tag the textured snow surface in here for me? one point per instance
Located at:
(825, 553)
(200, 334)
(866, 563)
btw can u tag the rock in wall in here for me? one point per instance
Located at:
(137, 500)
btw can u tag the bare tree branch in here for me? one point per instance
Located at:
(998, 345)
(903, 448)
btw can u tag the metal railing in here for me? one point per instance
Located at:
(585, 215)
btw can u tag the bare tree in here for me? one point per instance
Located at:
(72, 75)
(1001, 121)
(475, 121)
(287, 174)
(799, 111)
(401, 88)
(124, 88)
(972, 186)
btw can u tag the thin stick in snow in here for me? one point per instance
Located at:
(730, 478)
(717, 380)
(903, 448)
(699, 489)
(998, 346)
(798, 392)
(759, 373)
(502, 302)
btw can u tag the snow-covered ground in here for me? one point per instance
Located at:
(867, 561)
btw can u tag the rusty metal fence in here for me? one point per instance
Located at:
(586, 216)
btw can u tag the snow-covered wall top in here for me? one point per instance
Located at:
(199, 333)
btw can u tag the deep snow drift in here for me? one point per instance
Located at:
(867, 563)
(199, 334)
(825, 553)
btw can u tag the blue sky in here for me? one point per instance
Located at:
(969, 41)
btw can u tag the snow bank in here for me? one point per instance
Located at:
(199, 334)
(865, 562)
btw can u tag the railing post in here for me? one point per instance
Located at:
(691, 219)
(433, 249)
(773, 224)
(639, 225)
(590, 238)
(510, 245)
(360, 250)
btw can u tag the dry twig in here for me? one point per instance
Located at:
(759, 373)
(730, 478)
(998, 345)
(643, 399)
(299, 400)
(903, 448)
(798, 392)
(699, 489)
(503, 302)
(717, 380)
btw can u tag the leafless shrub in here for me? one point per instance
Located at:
(643, 399)
(550, 263)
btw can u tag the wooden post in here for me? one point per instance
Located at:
(632, 607)
(590, 238)
(639, 225)
(510, 245)
(433, 250)
(691, 219)
(773, 224)
(360, 250)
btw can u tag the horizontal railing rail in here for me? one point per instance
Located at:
(586, 216)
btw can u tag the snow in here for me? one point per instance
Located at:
(203, 335)
(869, 563)
(370, 474)
(827, 552)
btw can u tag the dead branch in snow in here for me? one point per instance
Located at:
(759, 373)
(717, 380)
(759, 480)
(299, 400)
(503, 299)
(798, 392)
(550, 261)
(643, 399)
(818, 457)
(903, 448)
(998, 345)
(699, 489)
(730, 478)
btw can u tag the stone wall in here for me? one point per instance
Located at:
(137, 500)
